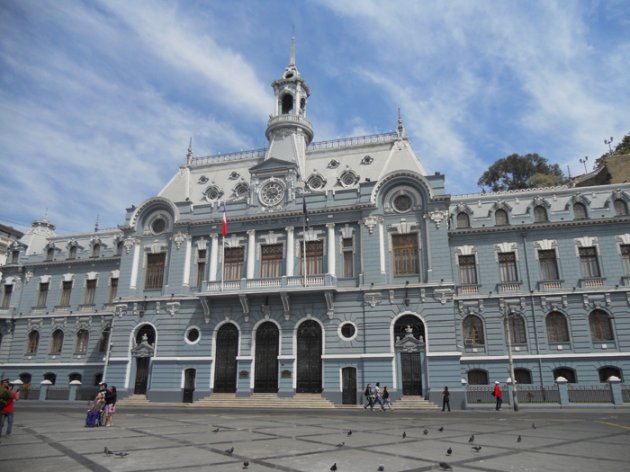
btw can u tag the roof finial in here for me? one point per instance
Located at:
(402, 133)
(96, 224)
(292, 58)
(189, 153)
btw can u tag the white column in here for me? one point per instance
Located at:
(186, 278)
(214, 257)
(290, 251)
(134, 268)
(331, 248)
(381, 245)
(251, 253)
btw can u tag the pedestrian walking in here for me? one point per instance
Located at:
(378, 396)
(110, 405)
(446, 400)
(7, 399)
(386, 397)
(368, 396)
(498, 395)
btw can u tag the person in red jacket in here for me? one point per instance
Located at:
(7, 411)
(497, 394)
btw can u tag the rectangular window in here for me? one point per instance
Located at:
(90, 290)
(347, 246)
(201, 266)
(548, 264)
(234, 258)
(155, 271)
(314, 258)
(113, 290)
(625, 256)
(405, 253)
(467, 270)
(271, 261)
(507, 267)
(50, 254)
(589, 262)
(6, 300)
(66, 290)
(42, 295)
(15, 255)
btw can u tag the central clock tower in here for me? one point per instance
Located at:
(288, 130)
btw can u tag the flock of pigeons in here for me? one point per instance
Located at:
(334, 467)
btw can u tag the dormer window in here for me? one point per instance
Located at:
(96, 250)
(540, 214)
(463, 220)
(501, 218)
(579, 211)
(50, 253)
(621, 207)
(72, 252)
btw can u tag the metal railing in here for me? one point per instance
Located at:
(480, 394)
(590, 393)
(625, 393)
(57, 394)
(537, 394)
(383, 138)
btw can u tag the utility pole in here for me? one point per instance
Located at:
(511, 363)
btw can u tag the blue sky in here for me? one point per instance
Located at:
(98, 99)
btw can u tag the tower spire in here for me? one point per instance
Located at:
(189, 153)
(292, 56)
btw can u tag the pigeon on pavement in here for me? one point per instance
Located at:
(349, 433)
(441, 429)
(519, 439)
(121, 454)
(107, 451)
(341, 444)
(215, 430)
(477, 449)
(445, 466)
(229, 451)
(449, 451)
(404, 435)
(245, 465)
(425, 432)
(333, 467)
(471, 438)
(533, 425)
(381, 468)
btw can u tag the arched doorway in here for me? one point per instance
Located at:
(225, 359)
(349, 386)
(142, 352)
(266, 367)
(309, 358)
(409, 336)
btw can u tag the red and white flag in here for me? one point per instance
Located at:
(224, 230)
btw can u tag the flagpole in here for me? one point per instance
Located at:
(223, 258)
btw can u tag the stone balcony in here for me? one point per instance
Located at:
(297, 283)
(549, 285)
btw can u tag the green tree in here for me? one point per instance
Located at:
(518, 172)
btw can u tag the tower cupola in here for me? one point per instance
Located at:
(288, 131)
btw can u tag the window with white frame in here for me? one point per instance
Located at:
(347, 248)
(625, 258)
(467, 269)
(548, 264)
(405, 253)
(270, 261)
(90, 291)
(507, 267)
(201, 266)
(589, 262)
(234, 258)
(66, 291)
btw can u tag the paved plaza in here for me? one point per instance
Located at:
(53, 438)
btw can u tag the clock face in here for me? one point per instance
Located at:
(272, 193)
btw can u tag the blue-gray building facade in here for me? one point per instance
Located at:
(317, 267)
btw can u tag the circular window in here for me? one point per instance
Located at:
(192, 335)
(158, 225)
(402, 203)
(213, 192)
(272, 193)
(348, 331)
(315, 182)
(348, 178)
(241, 189)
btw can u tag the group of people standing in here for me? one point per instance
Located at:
(374, 395)
(7, 397)
(105, 404)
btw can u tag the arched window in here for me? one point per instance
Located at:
(606, 372)
(477, 377)
(103, 343)
(516, 325)
(557, 328)
(523, 376)
(601, 327)
(33, 342)
(621, 207)
(579, 211)
(82, 341)
(287, 103)
(540, 214)
(57, 342)
(473, 331)
(74, 376)
(50, 376)
(565, 372)
(501, 218)
(72, 252)
(25, 377)
(463, 220)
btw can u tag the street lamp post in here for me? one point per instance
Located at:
(609, 142)
(511, 362)
(584, 161)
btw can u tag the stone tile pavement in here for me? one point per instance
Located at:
(53, 438)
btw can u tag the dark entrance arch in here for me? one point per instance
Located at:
(410, 326)
(266, 367)
(309, 358)
(143, 351)
(225, 359)
(349, 386)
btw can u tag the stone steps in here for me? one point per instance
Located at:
(271, 400)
